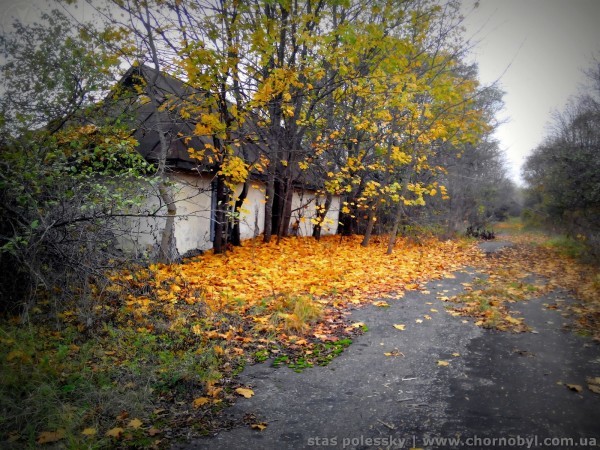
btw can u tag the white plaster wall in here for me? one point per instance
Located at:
(192, 225)
(252, 217)
(141, 235)
(333, 217)
(304, 210)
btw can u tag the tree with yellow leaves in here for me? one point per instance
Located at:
(352, 97)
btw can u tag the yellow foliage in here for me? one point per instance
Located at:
(235, 171)
(210, 125)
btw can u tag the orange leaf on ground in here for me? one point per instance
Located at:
(200, 401)
(46, 437)
(593, 384)
(115, 432)
(135, 423)
(245, 392)
(574, 387)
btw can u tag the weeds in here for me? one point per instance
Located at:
(567, 246)
(320, 354)
(295, 313)
(49, 382)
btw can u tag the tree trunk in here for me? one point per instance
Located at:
(236, 238)
(321, 214)
(270, 194)
(397, 219)
(276, 211)
(167, 252)
(348, 224)
(285, 209)
(219, 243)
(369, 230)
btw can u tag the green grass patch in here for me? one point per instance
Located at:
(320, 354)
(56, 384)
(568, 246)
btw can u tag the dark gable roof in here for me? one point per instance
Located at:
(136, 81)
(171, 92)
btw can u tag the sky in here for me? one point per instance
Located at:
(535, 49)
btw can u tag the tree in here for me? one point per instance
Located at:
(352, 97)
(413, 96)
(214, 42)
(477, 185)
(143, 25)
(563, 173)
(49, 85)
(63, 179)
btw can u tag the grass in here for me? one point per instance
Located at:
(321, 354)
(48, 385)
(568, 246)
(58, 381)
(295, 313)
(62, 385)
(161, 361)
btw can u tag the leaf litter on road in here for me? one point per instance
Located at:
(529, 268)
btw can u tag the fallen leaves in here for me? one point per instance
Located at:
(261, 426)
(574, 387)
(381, 304)
(593, 384)
(135, 424)
(254, 423)
(46, 437)
(264, 302)
(245, 392)
(200, 401)
(286, 302)
(531, 254)
(326, 268)
(115, 432)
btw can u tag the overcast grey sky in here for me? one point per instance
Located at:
(536, 48)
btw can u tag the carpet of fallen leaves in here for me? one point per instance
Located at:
(333, 272)
(288, 301)
(533, 254)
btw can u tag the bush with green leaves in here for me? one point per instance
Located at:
(64, 196)
(68, 172)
